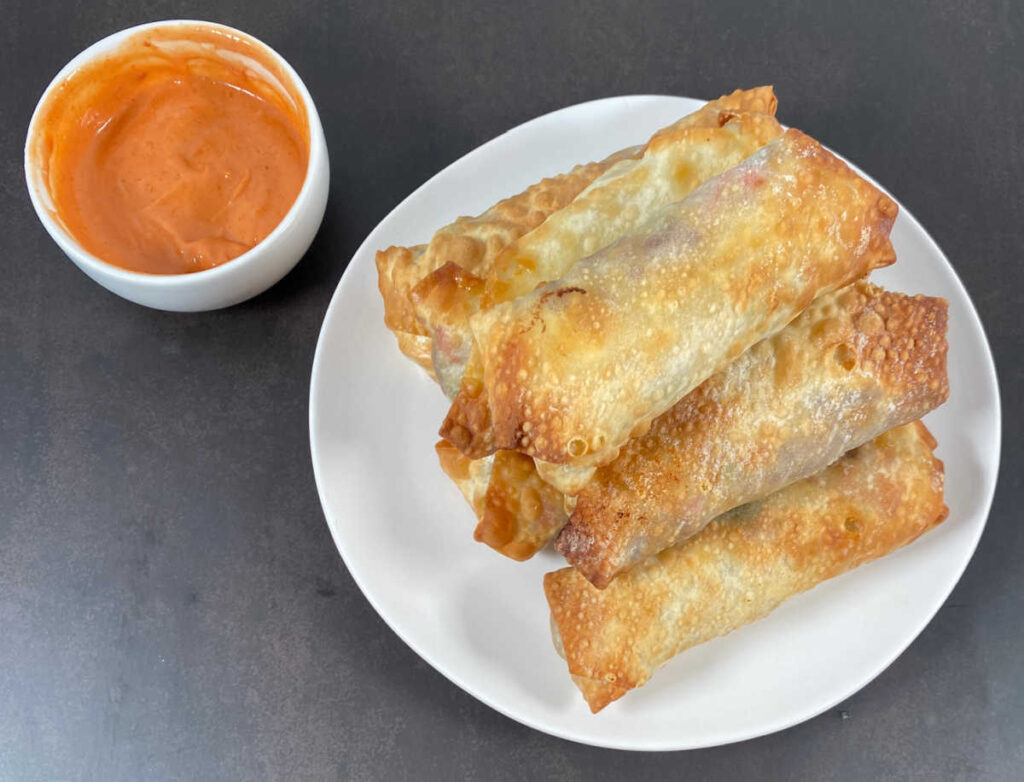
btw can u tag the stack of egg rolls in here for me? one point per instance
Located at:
(580, 365)
(670, 363)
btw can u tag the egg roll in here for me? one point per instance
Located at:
(856, 363)
(582, 364)
(673, 163)
(871, 502)
(517, 512)
(471, 243)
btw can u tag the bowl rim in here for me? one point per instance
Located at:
(71, 246)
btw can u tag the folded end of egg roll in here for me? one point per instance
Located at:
(467, 425)
(517, 512)
(396, 273)
(758, 100)
(445, 299)
(871, 502)
(417, 347)
(597, 694)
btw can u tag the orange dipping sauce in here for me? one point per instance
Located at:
(181, 150)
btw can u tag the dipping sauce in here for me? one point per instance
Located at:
(181, 150)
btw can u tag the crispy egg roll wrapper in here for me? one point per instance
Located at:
(674, 162)
(471, 244)
(856, 363)
(517, 512)
(396, 268)
(580, 365)
(871, 502)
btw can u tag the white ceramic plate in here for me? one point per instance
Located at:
(405, 532)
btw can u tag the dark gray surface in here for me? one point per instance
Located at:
(171, 604)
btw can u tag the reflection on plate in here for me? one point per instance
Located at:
(405, 533)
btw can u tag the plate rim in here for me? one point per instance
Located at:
(886, 660)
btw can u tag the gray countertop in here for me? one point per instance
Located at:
(171, 604)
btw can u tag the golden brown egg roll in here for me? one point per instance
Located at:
(855, 364)
(580, 365)
(471, 243)
(674, 162)
(871, 502)
(517, 512)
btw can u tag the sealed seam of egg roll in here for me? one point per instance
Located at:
(471, 244)
(855, 364)
(580, 365)
(675, 161)
(517, 512)
(871, 502)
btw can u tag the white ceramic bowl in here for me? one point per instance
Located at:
(237, 280)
